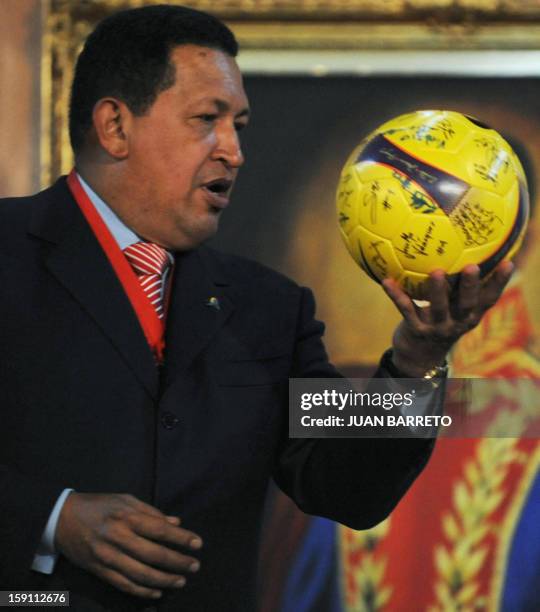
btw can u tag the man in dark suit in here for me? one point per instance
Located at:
(144, 377)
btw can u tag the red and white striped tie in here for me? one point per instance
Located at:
(150, 262)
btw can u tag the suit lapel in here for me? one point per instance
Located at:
(198, 309)
(77, 261)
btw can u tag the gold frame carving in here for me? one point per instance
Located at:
(285, 25)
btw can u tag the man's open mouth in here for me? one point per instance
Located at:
(218, 191)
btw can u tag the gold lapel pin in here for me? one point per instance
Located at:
(213, 302)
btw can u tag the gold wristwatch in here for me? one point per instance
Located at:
(434, 375)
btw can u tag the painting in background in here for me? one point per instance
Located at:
(460, 536)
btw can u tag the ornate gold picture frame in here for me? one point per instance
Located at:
(303, 36)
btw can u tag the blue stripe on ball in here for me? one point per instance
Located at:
(434, 181)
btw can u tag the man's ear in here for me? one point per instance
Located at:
(111, 118)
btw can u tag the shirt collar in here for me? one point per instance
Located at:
(119, 230)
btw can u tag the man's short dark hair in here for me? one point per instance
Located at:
(127, 57)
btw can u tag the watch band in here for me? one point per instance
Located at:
(433, 375)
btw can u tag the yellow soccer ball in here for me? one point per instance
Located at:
(431, 190)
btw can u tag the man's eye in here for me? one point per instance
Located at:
(208, 118)
(239, 126)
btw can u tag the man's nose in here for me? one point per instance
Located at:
(228, 147)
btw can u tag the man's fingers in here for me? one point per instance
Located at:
(157, 555)
(496, 283)
(140, 506)
(145, 508)
(136, 572)
(402, 302)
(162, 531)
(426, 334)
(473, 296)
(438, 296)
(468, 292)
(118, 580)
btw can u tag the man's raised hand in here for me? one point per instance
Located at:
(426, 334)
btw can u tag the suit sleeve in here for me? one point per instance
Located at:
(357, 482)
(25, 507)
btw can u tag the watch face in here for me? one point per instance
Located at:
(436, 375)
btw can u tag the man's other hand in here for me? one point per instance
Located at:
(125, 542)
(426, 333)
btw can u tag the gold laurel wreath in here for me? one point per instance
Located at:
(475, 498)
(491, 337)
(368, 574)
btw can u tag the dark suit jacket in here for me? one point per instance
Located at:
(83, 405)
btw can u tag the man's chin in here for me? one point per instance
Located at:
(188, 240)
